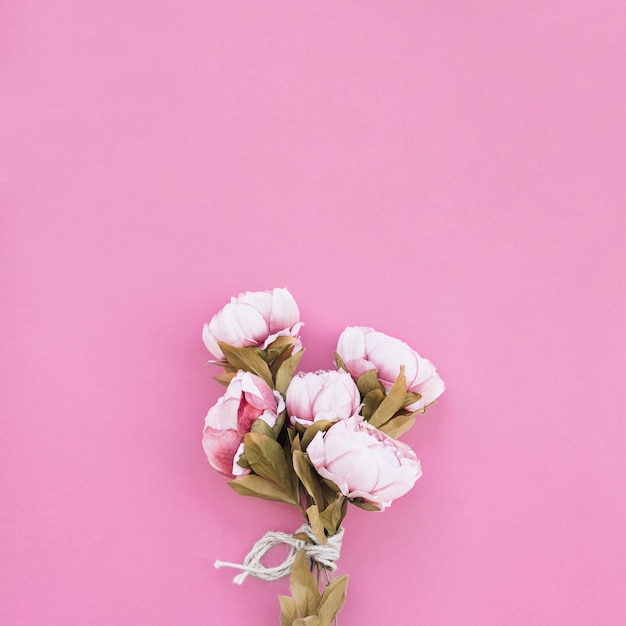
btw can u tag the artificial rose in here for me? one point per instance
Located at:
(323, 395)
(253, 318)
(247, 399)
(363, 349)
(364, 462)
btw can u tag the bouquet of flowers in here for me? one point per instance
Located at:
(318, 441)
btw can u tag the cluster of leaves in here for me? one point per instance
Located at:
(307, 606)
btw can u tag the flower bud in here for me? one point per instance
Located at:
(323, 395)
(364, 462)
(247, 398)
(253, 319)
(363, 349)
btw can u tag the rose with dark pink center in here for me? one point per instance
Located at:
(247, 398)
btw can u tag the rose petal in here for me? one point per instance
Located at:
(351, 343)
(284, 312)
(220, 447)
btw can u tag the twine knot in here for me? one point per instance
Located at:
(323, 553)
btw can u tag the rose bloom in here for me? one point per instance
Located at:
(323, 395)
(364, 349)
(364, 462)
(253, 319)
(247, 399)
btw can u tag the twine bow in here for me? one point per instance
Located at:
(325, 554)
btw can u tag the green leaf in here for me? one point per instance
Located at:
(224, 379)
(303, 537)
(309, 477)
(294, 438)
(252, 485)
(242, 461)
(299, 428)
(333, 515)
(398, 425)
(368, 381)
(312, 430)
(330, 490)
(339, 362)
(262, 428)
(410, 398)
(279, 360)
(277, 347)
(366, 506)
(371, 402)
(333, 599)
(288, 610)
(267, 459)
(248, 360)
(392, 402)
(313, 514)
(303, 587)
(278, 426)
(285, 372)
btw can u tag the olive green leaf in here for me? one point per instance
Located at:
(285, 372)
(313, 515)
(303, 537)
(366, 506)
(333, 515)
(224, 379)
(371, 402)
(288, 456)
(309, 477)
(278, 426)
(294, 438)
(299, 428)
(303, 587)
(248, 360)
(312, 430)
(398, 425)
(252, 485)
(280, 359)
(267, 459)
(368, 381)
(288, 610)
(277, 347)
(410, 398)
(339, 362)
(262, 428)
(332, 600)
(243, 462)
(392, 402)
(330, 490)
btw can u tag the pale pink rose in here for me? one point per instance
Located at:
(364, 462)
(363, 349)
(253, 319)
(247, 398)
(323, 395)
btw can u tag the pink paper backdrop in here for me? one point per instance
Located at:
(451, 173)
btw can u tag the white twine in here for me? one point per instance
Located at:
(325, 554)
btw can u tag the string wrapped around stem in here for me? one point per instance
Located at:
(323, 555)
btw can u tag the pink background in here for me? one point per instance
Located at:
(451, 173)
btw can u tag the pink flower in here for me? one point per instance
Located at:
(323, 395)
(364, 349)
(364, 462)
(247, 399)
(253, 319)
